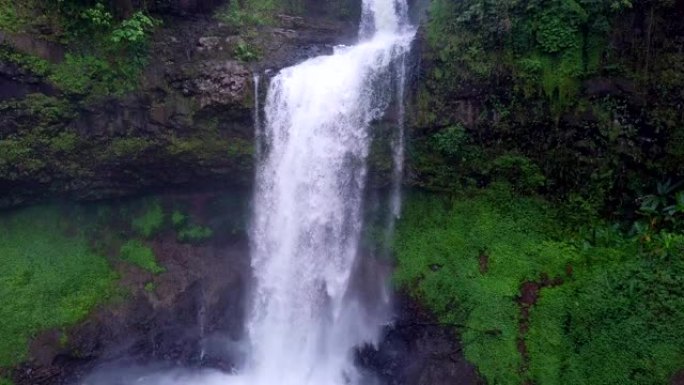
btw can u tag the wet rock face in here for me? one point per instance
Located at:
(188, 124)
(186, 7)
(416, 350)
(221, 83)
(192, 318)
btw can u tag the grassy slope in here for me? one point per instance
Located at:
(48, 278)
(614, 321)
(51, 277)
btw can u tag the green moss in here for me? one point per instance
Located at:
(151, 221)
(49, 277)
(135, 252)
(187, 231)
(178, 219)
(129, 148)
(9, 21)
(92, 74)
(208, 145)
(249, 13)
(6, 381)
(64, 142)
(194, 234)
(150, 287)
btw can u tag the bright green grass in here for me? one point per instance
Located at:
(617, 320)
(48, 278)
(135, 252)
(439, 242)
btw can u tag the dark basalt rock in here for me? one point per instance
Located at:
(417, 350)
(188, 124)
(188, 321)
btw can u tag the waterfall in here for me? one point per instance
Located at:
(257, 116)
(314, 301)
(398, 149)
(305, 319)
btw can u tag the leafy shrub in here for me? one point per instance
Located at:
(519, 171)
(664, 209)
(133, 31)
(450, 141)
(135, 252)
(245, 52)
(110, 56)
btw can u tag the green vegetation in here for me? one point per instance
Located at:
(106, 54)
(178, 219)
(246, 52)
(150, 221)
(4, 381)
(610, 306)
(547, 45)
(574, 92)
(188, 232)
(135, 252)
(194, 234)
(49, 278)
(128, 148)
(248, 13)
(150, 287)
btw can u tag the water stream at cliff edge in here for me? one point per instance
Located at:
(306, 317)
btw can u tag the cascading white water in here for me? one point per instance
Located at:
(308, 204)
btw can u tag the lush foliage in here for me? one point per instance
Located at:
(610, 303)
(49, 277)
(106, 54)
(135, 252)
(585, 90)
(549, 45)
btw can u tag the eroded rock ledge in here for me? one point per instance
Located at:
(188, 125)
